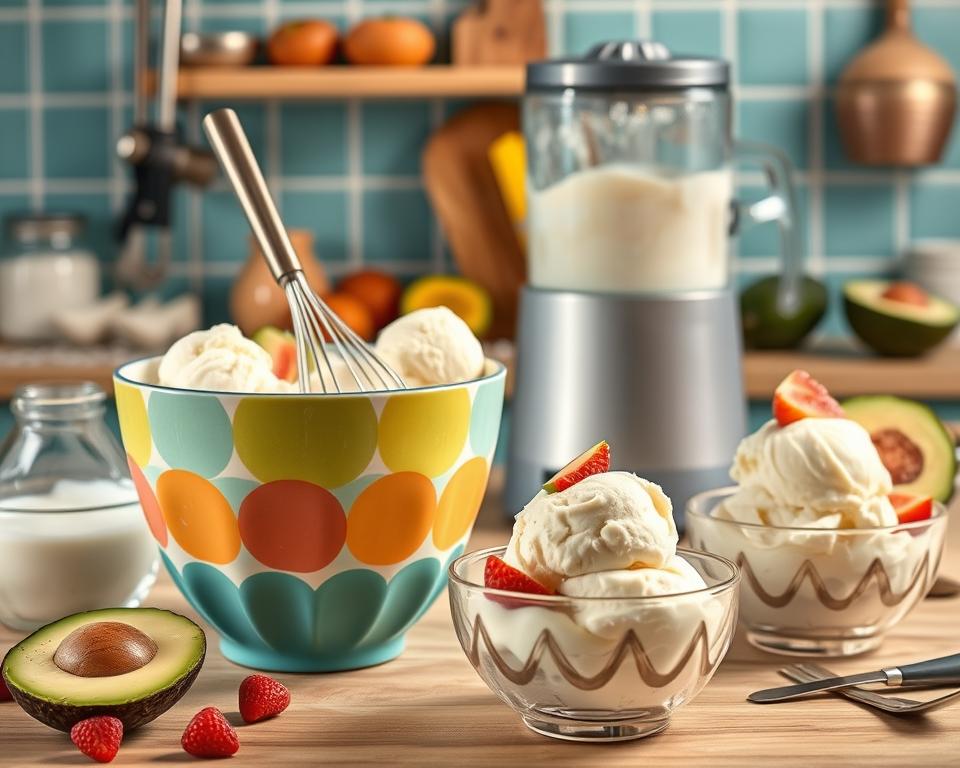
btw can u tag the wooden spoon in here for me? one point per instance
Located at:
(896, 100)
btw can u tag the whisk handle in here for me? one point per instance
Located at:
(233, 150)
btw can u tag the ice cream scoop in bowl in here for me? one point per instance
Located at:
(310, 530)
(821, 591)
(595, 668)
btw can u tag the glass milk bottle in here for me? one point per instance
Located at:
(72, 533)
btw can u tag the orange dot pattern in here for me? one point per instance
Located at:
(149, 503)
(391, 518)
(460, 503)
(199, 517)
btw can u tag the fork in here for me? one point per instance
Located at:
(895, 705)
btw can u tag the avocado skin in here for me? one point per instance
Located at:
(893, 336)
(765, 327)
(132, 714)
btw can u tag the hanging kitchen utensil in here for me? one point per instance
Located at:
(158, 155)
(896, 100)
(499, 32)
(466, 198)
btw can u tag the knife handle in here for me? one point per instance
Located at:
(943, 670)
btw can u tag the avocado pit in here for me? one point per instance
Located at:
(104, 649)
(899, 454)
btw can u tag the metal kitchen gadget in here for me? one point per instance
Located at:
(945, 670)
(629, 326)
(894, 705)
(313, 320)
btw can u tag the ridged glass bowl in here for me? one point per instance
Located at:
(313, 530)
(595, 669)
(821, 592)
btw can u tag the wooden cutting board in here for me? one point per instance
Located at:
(466, 199)
(500, 32)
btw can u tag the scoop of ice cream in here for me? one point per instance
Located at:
(220, 359)
(811, 473)
(676, 575)
(431, 346)
(608, 521)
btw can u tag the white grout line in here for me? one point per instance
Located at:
(36, 165)
(815, 233)
(118, 168)
(766, 264)
(643, 17)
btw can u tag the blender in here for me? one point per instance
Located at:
(629, 328)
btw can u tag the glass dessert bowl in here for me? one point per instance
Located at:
(595, 668)
(821, 591)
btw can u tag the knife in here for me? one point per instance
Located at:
(945, 670)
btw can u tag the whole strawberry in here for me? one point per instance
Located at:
(98, 737)
(262, 697)
(209, 734)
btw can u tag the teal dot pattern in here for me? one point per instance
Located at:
(485, 418)
(191, 432)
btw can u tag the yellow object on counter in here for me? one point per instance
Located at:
(509, 161)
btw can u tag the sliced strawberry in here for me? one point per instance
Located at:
(285, 362)
(498, 575)
(907, 293)
(800, 396)
(592, 461)
(910, 508)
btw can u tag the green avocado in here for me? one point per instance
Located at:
(129, 663)
(766, 326)
(913, 443)
(893, 327)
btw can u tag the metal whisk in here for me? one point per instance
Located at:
(313, 320)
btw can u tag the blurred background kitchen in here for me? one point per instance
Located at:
(343, 148)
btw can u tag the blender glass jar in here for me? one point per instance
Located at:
(630, 177)
(72, 533)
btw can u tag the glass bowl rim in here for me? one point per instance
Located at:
(939, 515)
(121, 373)
(728, 584)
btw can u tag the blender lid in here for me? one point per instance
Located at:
(628, 65)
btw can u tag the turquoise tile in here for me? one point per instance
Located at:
(393, 137)
(781, 122)
(951, 153)
(325, 214)
(763, 240)
(216, 300)
(396, 225)
(13, 44)
(772, 47)
(77, 142)
(858, 220)
(846, 31)
(126, 54)
(934, 210)
(100, 220)
(75, 56)
(255, 23)
(689, 32)
(55, 3)
(16, 203)
(583, 29)
(225, 230)
(940, 28)
(252, 118)
(314, 139)
(15, 147)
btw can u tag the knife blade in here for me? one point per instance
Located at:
(787, 692)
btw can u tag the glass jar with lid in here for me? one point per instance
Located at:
(72, 533)
(46, 267)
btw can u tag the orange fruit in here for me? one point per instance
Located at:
(391, 41)
(378, 291)
(303, 43)
(353, 312)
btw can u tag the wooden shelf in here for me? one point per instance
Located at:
(342, 82)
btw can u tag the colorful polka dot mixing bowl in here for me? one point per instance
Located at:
(311, 531)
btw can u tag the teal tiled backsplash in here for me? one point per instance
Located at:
(349, 171)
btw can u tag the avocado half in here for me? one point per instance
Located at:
(60, 699)
(915, 446)
(894, 327)
(766, 326)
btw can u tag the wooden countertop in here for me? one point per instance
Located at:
(429, 707)
(846, 372)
